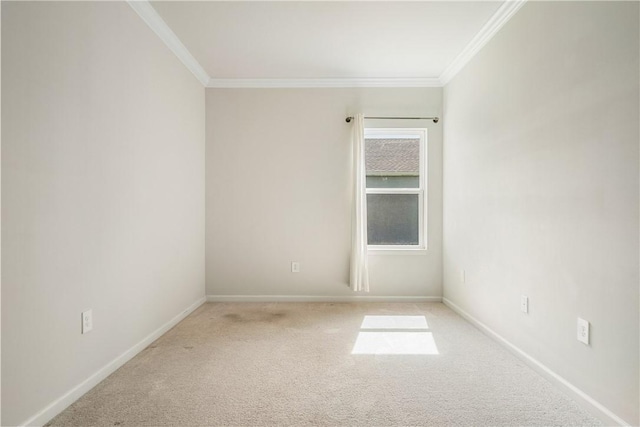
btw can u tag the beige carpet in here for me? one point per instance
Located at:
(255, 364)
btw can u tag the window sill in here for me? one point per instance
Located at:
(403, 251)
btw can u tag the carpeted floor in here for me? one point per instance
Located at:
(258, 364)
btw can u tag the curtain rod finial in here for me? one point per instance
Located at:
(436, 119)
(348, 119)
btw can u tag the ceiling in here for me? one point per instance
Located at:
(326, 40)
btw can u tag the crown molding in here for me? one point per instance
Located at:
(149, 15)
(323, 83)
(493, 25)
(157, 24)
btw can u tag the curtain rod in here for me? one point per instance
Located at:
(435, 119)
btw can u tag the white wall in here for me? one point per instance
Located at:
(541, 191)
(277, 185)
(0, 214)
(103, 193)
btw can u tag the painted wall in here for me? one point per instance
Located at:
(277, 185)
(103, 193)
(541, 191)
(0, 214)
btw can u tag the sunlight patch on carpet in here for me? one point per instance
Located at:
(395, 335)
(394, 322)
(395, 343)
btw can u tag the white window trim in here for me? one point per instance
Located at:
(390, 133)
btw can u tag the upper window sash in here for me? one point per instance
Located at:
(402, 133)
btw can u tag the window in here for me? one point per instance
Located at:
(395, 174)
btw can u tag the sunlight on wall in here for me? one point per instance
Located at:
(395, 335)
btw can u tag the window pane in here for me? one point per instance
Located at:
(392, 219)
(392, 163)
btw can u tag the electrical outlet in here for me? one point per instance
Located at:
(295, 267)
(87, 321)
(462, 276)
(583, 331)
(524, 304)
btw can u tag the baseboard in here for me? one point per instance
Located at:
(587, 401)
(60, 404)
(318, 298)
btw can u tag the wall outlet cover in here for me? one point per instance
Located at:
(87, 321)
(583, 331)
(524, 304)
(295, 267)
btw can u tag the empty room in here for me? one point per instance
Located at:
(333, 213)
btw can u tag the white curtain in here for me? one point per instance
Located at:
(359, 265)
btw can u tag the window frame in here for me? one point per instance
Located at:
(421, 191)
